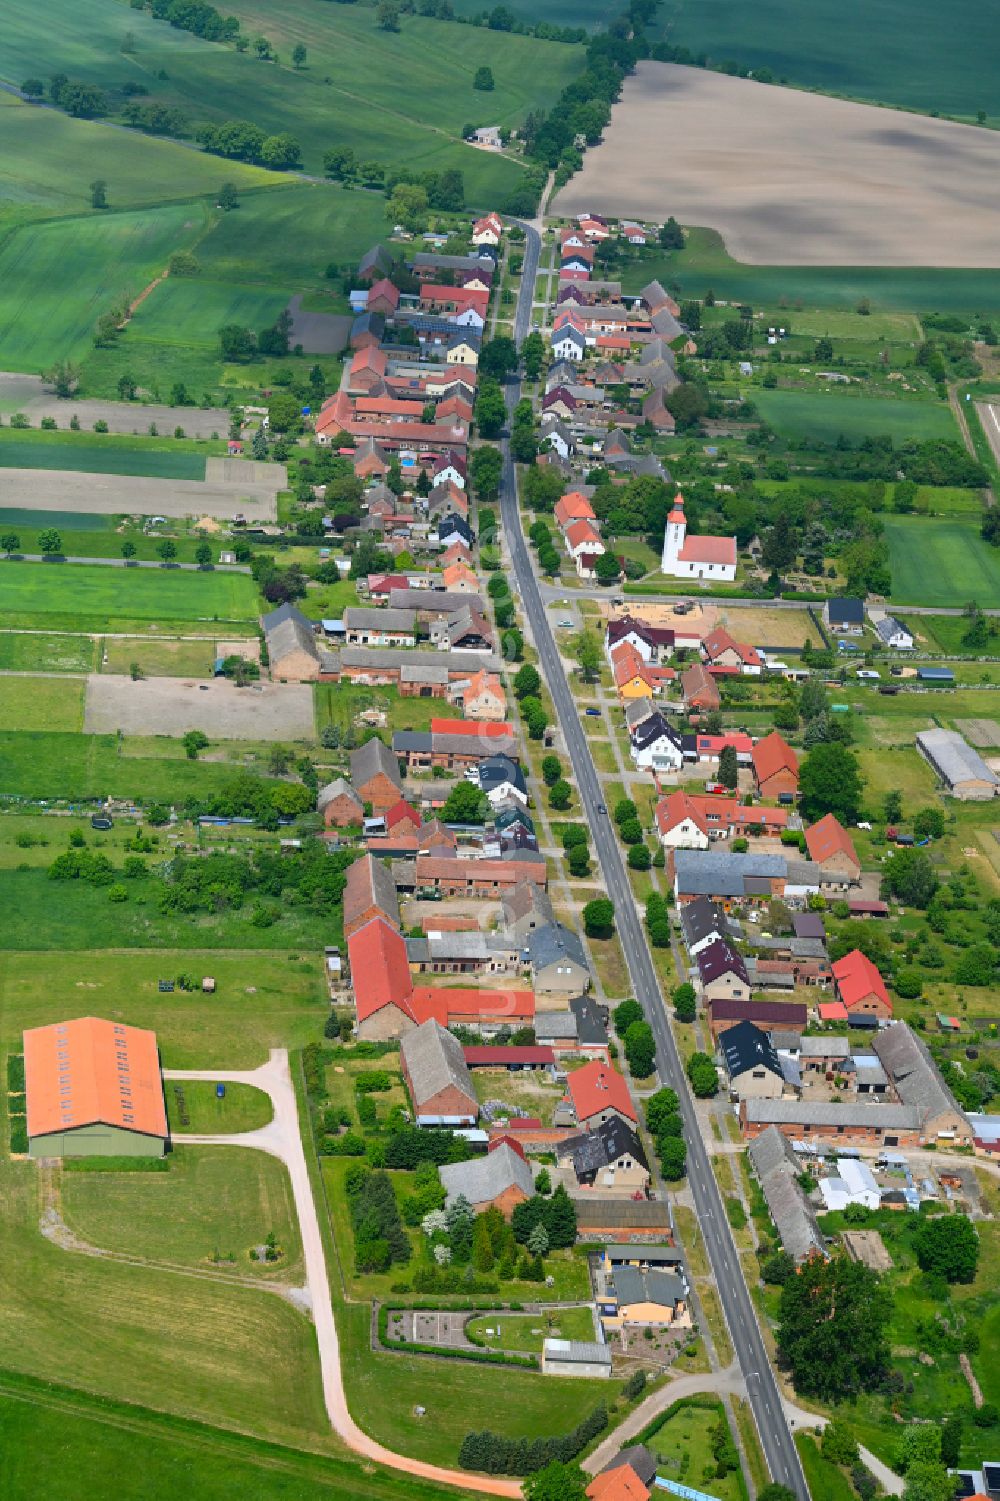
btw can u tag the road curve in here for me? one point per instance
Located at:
(282, 1138)
(761, 1385)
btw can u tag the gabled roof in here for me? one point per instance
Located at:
(494, 771)
(286, 629)
(719, 641)
(915, 1076)
(790, 1015)
(655, 728)
(827, 838)
(370, 759)
(638, 1457)
(339, 787)
(610, 1140)
(89, 1071)
(596, 1087)
(777, 1172)
(857, 978)
(700, 919)
(590, 1028)
(773, 754)
(718, 958)
(619, 1484)
(554, 944)
(435, 1061)
(746, 1047)
(369, 884)
(483, 1179)
(380, 972)
(846, 611)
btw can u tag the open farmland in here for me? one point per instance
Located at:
(825, 414)
(794, 178)
(82, 590)
(121, 495)
(941, 562)
(100, 453)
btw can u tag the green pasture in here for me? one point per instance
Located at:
(54, 765)
(102, 542)
(104, 453)
(51, 1431)
(57, 278)
(826, 415)
(944, 633)
(50, 704)
(42, 589)
(190, 311)
(910, 53)
(941, 562)
(160, 658)
(30, 652)
(210, 1209)
(705, 263)
(49, 159)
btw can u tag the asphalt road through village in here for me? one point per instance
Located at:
(762, 1387)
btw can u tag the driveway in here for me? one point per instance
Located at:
(282, 1139)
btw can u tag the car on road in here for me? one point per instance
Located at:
(602, 809)
(565, 625)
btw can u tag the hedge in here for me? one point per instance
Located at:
(15, 1073)
(484, 1357)
(699, 1399)
(18, 1134)
(496, 1454)
(116, 1165)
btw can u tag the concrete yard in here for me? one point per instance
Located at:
(172, 706)
(27, 394)
(132, 495)
(790, 178)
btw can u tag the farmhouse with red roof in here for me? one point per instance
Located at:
(860, 985)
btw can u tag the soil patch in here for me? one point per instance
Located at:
(172, 706)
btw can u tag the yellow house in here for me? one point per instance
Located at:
(636, 1298)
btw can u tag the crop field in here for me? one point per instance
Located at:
(215, 1202)
(860, 187)
(36, 590)
(30, 652)
(826, 414)
(98, 454)
(941, 562)
(41, 704)
(191, 311)
(56, 278)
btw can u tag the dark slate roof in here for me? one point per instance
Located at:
(641, 1461)
(708, 873)
(552, 944)
(596, 1149)
(700, 919)
(653, 729)
(635, 1286)
(808, 925)
(496, 770)
(719, 959)
(745, 1047)
(590, 1028)
(452, 525)
(368, 323)
(847, 611)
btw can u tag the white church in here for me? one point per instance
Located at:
(687, 557)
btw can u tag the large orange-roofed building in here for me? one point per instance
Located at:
(93, 1089)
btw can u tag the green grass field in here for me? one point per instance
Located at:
(191, 311)
(944, 633)
(683, 1447)
(54, 765)
(51, 1431)
(214, 1205)
(940, 562)
(241, 1108)
(161, 658)
(49, 704)
(36, 590)
(827, 414)
(38, 653)
(527, 1331)
(104, 453)
(705, 262)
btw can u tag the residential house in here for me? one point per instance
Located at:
(892, 633)
(690, 820)
(704, 923)
(380, 976)
(653, 643)
(860, 985)
(770, 1016)
(721, 650)
(556, 436)
(383, 297)
(573, 506)
(728, 878)
(656, 412)
(644, 1299)
(500, 1180)
(557, 961)
(963, 771)
(339, 804)
(778, 1172)
(845, 617)
(375, 775)
(525, 909)
(656, 745)
(752, 1063)
(501, 779)
(633, 677)
(611, 1157)
(481, 697)
(775, 767)
(830, 847)
(488, 230)
(598, 1092)
(699, 689)
(458, 578)
(437, 1077)
(722, 973)
(584, 545)
(569, 343)
(365, 626)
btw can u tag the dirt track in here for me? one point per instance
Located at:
(790, 178)
(172, 706)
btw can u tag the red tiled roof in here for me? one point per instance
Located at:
(474, 728)
(573, 507)
(582, 532)
(719, 641)
(832, 1011)
(672, 810)
(857, 978)
(445, 1005)
(482, 1057)
(434, 867)
(620, 1484)
(828, 838)
(85, 1071)
(597, 1086)
(708, 550)
(771, 755)
(380, 972)
(401, 812)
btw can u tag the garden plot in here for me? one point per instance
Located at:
(172, 706)
(793, 178)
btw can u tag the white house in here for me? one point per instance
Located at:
(854, 1184)
(569, 343)
(555, 436)
(487, 231)
(657, 746)
(685, 557)
(892, 632)
(469, 318)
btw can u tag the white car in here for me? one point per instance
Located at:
(565, 625)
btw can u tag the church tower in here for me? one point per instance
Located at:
(673, 539)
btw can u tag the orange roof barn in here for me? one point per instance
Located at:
(92, 1072)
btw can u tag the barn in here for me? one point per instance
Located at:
(93, 1089)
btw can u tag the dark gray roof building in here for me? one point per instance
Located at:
(777, 1171)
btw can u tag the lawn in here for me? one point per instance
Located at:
(79, 768)
(194, 1105)
(160, 658)
(32, 591)
(683, 1449)
(341, 703)
(944, 633)
(38, 653)
(826, 1481)
(103, 453)
(705, 263)
(51, 1431)
(940, 562)
(262, 1000)
(50, 704)
(211, 1209)
(825, 415)
(527, 1331)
